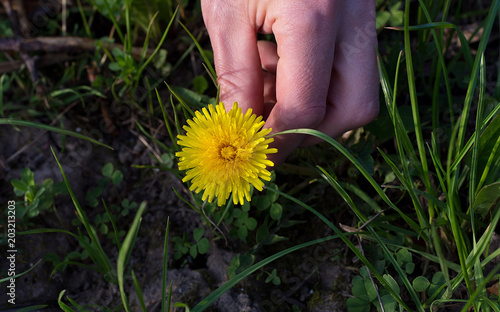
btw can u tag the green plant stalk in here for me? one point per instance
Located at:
(415, 110)
(84, 19)
(128, 43)
(125, 251)
(114, 21)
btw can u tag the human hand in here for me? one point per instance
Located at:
(321, 74)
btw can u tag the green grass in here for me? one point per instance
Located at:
(431, 224)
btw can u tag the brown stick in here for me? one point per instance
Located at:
(61, 44)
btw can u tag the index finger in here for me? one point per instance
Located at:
(237, 63)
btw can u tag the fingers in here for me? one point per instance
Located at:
(353, 93)
(305, 50)
(234, 43)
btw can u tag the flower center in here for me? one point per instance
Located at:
(228, 152)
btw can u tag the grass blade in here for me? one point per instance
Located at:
(361, 168)
(125, 251)
(202, 53)
(101, 258)
(143, 66)
(5, 279)
(165, 306)
(138, 291)
(205, 303)
(414, 108)
(167, 123)
(16, 122)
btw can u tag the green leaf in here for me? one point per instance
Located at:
(251, 224)
(28, 176)
(392, 283)
(276, 239)
(198, 233)
(420, 283)
(19, 185)
(403, 256)
(107, 170)
(104, 229)
(357, 305)
(191, 99)
(200, 84)
(410, 267)
(371, 291)
(271, 276)
(262, 232)
(261, 202)
(437, 280)
(33, 210)
(242, 232)
(486, 198)
(396, 14)
(276, 211)
(117, 177)
(389, 303)
(193, 251)
(203, 245)
(382, 18)
(358, 288)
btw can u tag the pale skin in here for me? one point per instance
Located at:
(322, 73)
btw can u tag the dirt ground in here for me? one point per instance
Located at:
(312, 279)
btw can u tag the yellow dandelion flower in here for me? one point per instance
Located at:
(225, 152)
